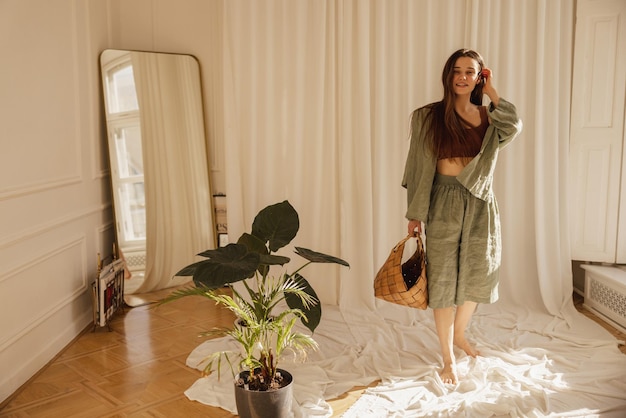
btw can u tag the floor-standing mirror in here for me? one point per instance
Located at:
(158, 155)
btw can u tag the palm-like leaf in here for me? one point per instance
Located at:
(298, 288)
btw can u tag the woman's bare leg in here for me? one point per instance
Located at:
(451, 324)
(444, 322)
(461, 320)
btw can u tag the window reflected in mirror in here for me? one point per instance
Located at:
(120, 86)
(126, 153)
(130, 184)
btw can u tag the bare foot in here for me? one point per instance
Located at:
(465, 346)
(448, 374)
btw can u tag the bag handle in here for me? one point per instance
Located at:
(402, 242)
(417, 235)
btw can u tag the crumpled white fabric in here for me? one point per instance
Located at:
(531, 365)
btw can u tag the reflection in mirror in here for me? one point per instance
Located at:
(159, 175)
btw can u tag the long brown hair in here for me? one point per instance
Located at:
(444, 123)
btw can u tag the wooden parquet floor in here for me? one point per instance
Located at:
(138, 369)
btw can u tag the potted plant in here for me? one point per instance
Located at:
(267, 307)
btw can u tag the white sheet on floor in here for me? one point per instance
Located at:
(531, 365)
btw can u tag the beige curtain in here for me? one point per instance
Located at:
(178, 205)
(317, 103)
(317, 97)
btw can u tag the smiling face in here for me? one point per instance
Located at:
(465, 75)
(460, 77)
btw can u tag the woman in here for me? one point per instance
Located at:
(448, 177)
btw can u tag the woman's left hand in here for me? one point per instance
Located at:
(488, 87)
(487, 76)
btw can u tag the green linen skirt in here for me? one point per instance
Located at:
(463, 246)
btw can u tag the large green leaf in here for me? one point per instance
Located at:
(277, 224)
(272, 260)
(228, 264)
(316, 257)
(225, 254)
(313, 313)
(189, 270)
(255, 244)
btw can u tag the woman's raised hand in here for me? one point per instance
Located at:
(488, 87)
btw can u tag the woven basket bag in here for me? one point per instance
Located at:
(403, 283)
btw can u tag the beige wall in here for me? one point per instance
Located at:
(55, 205)
(55, 209)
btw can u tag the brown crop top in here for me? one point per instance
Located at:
(473, 137)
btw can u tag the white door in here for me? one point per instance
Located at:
(597, 132)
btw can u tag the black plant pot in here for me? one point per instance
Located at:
(265, 404)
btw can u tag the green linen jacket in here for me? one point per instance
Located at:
(477, 176)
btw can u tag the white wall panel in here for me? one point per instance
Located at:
(55, 205)
(51, 280)
(33, 350)
(594, 220)
(600, 92)
(597, 130)
(41, 148)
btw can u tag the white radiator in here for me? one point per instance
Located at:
(605, 293)
(108, 292)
